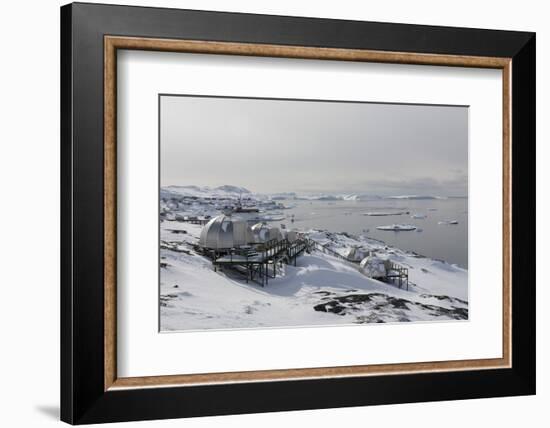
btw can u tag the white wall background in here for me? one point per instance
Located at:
(29, 214)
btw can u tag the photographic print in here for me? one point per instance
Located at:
(296, 213)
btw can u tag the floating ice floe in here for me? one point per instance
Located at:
(384, 213)
(271, 218)
(447, 222)
(397, 227)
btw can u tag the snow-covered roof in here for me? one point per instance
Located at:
(224, 232)
(373, 267)
(356, 254)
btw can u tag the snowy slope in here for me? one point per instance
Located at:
(320, 290)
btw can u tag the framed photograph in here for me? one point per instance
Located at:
(265, 213)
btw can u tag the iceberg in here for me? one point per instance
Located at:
(397, 227)
(447, 222)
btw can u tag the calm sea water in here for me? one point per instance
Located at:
(445, 242)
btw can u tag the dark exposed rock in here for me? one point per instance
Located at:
(398, 303)
(165, 299)
(384, 308)
(447, 298)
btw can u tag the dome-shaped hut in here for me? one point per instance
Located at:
(263, 232)
(356, 254)
(373, 267)
(225, 232)
(291, 235)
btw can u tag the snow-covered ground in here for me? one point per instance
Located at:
(320, 290)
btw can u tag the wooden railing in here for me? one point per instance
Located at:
(401, 272)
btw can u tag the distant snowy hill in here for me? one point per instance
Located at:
(337, 197)
(232, 189)
(204, 191)
(358, 197)
(361, 197)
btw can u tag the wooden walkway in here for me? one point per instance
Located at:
(259, 262)
(395, 273)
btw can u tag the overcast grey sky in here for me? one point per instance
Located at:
(274, 146)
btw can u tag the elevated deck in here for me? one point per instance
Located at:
(396, 274)
(258, 262)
